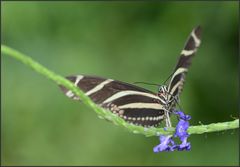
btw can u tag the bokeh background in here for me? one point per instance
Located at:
(128, 41)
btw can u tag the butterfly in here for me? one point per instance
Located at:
(135, 104)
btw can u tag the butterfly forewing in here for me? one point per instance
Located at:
(177, 80)
(133, 104)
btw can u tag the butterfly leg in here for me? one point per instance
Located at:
(168, 121)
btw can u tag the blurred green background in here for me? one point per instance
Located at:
(128, 41)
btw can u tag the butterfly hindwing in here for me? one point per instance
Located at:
(132, 103)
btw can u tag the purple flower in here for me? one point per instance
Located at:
(181, 128)
(184, 145)
(164, 145)
(181, 131)
(167, 143)
(183, 124)
(182, 115)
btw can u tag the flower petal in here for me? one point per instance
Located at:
(164, 145)
(185, 145)
(182, 115)
(181, 128)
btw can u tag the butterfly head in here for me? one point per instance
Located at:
(163, 93)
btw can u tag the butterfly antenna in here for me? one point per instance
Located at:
(168, 78)
(146, 83)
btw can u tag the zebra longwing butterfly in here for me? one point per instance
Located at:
(135, 104)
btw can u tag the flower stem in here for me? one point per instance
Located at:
(214, 127)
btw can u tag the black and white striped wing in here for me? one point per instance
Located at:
(132, 103)
(177, 80)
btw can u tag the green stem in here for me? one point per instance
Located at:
(214, 127)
